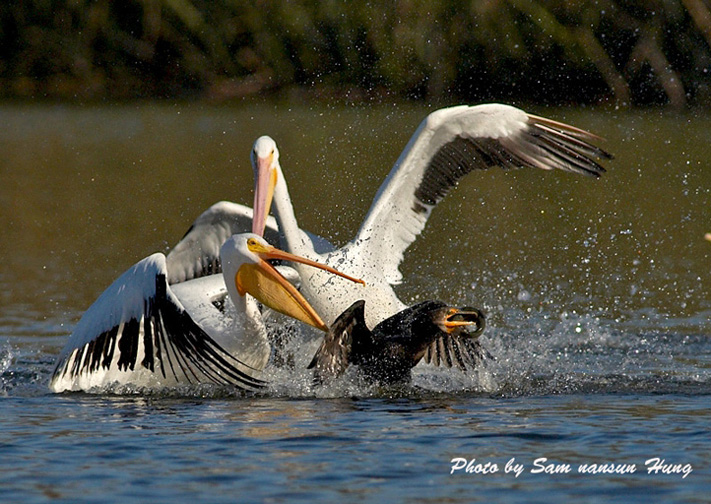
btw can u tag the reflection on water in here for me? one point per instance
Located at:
(353, 449)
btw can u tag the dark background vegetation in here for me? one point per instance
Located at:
(627, 52)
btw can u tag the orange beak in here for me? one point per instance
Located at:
(463, 318)
(264, 282)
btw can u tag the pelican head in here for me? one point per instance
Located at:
(265, 163)
(246, 271)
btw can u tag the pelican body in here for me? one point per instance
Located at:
(146, 332)
(449, 144)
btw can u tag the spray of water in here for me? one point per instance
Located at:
(6, 356)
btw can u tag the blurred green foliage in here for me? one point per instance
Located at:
(555, 51)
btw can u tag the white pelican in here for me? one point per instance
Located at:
(448, 144)
(143, 331)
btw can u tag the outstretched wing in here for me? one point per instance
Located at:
(334, 355)
(460, 348)
(137, 332)
(449, 144)
(197, 254)
(450, 351)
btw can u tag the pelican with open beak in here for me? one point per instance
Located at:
(246, 269)
(145, 332)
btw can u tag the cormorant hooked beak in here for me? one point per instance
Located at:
(469, 319)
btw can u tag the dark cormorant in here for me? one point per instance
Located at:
(431, 330)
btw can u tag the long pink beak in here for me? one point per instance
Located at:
(265, 181)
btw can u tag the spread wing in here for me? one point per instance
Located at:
(449, 144)
(334, 355)
(197, 254)
(460, 348)
(138, 332)
(450, 351)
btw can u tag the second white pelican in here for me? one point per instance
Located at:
(145, 332)
(448, 144)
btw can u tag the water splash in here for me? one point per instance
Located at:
(6, 356)
(535, 352)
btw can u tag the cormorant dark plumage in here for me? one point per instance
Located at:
(431, 330)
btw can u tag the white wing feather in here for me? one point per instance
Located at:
(447, 145)
(197, 254)
(138, 332)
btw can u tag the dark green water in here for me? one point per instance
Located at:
(598, 296)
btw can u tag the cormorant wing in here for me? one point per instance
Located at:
(334, 355)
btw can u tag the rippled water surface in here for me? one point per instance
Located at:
(597, 294)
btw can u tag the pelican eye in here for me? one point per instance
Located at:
(251, 242)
